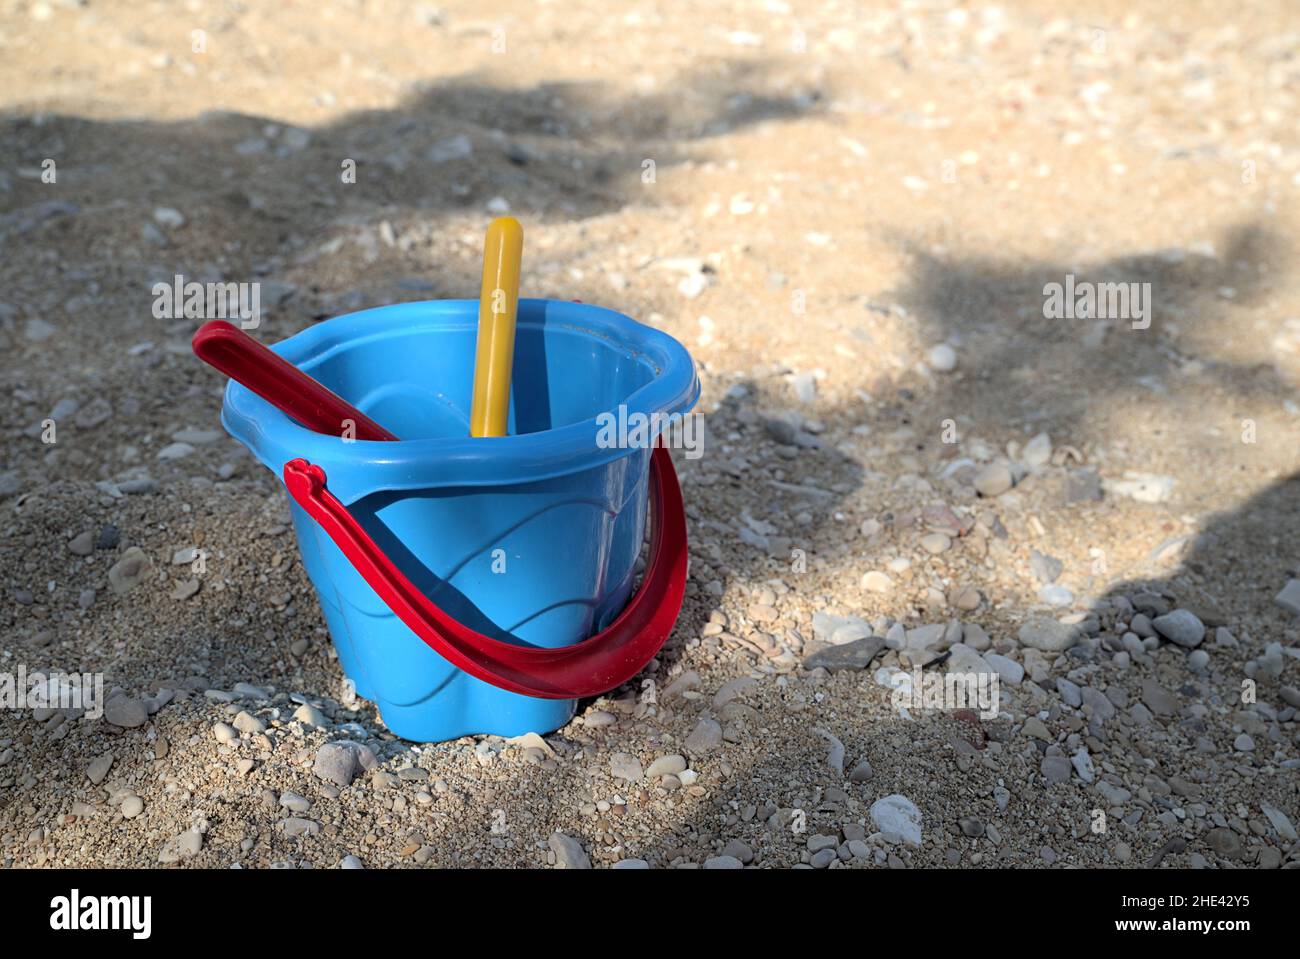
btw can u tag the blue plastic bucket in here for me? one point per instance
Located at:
(529, 538)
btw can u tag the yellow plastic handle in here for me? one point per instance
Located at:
(498, 302)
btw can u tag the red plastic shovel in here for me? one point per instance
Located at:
(596, 665)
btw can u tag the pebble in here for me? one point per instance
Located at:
(855, 655)
(1158, 699)
(738, 850)
(1056, 595)
(862, 772)
(1069, 692)
(626, 766)
(225, 733)
(569, 853)
(1055, 769)
(631, 864)
(1280, 822)
(942, 358)
(935, 543)
(1224, 841)
(706, 737)
(993, 480)
(184, 846)
(1038, 451)
(125, 712)
(309, 715)
(1048, 635)
(971, 827)
(294, 803)
(1046, 569)
(1008, 669)
(1289, 597)
(1082, 763)
(877, 582)
(339, 763)
(898, 815)
(99, 768)
(131, 807)
(246, 722)
(723, 862)
(1180, 626)
(83, 544)
(295, 826)
(108, 538)
(351, 862)
(1198, 660)
(1244, 743)
(129, 571)
(666, 766)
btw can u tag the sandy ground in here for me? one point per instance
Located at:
(848, 212)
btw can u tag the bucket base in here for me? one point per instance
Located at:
(515, 716)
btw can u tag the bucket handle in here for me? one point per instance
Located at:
(588, 668)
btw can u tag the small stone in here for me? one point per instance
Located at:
(1069, 692)
(351, 862)
(1082, 763)
(723, 862)
(175, 451)
(246, 722)
(1289, 598)
(1244, 743)
(1280, 822)
(631, 864)
(225, 733)
(569, 853)
(1008, 669)
(942, 358)
(877, 582)
(294, 803)
(309, 715)
(1180, 626)
(971, 827)
(184, 846)
(993, 480)
(626, 766)
(125, 712)
(1038, 451)
(898, 815)
(129, 571)
(1048, 635)
(83, 544)
(1056, 769)
(1158, 699)
(131, 807)
(99, 768)
(706, 737)
(666, 766)
(862, 772)
(1035, 728)
(1224, 841)
(854, 655)
(1046, 569)
(108, 538)
(738, 850)
(935, 543)
(295, 826)
(336, 763)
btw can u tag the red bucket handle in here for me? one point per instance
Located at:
(597, 665)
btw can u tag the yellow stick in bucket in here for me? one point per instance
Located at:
(498, 302)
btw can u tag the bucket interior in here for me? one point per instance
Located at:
(419, 382)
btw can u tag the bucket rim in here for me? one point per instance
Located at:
(359, 467)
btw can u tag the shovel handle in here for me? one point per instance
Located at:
(606, 660)
(276, 380)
